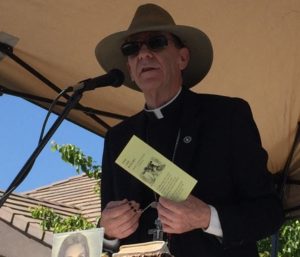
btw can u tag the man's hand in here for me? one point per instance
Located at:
(120, 218)
(180, 217)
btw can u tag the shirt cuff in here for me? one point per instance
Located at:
(214, 227)
(110, 245)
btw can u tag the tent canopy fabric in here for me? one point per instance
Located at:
(256, 57)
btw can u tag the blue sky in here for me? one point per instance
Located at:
(20, 127)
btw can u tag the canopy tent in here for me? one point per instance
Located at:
(256, 57)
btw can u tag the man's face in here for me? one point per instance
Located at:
(157, 69)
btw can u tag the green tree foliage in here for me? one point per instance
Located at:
(53, 222)
(289, 241)
(74, 156)
(82, 164)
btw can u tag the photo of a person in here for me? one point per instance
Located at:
(83, 243)
(75, 245)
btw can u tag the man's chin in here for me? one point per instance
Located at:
(149, 85)
(148, 82)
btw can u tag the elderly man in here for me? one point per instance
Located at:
(213, 138)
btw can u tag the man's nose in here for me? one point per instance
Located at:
(144, 52)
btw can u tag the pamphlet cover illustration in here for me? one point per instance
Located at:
(155, 170)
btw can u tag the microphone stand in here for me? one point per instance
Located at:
(72, 102)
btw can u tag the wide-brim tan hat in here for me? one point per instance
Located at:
(150, 17)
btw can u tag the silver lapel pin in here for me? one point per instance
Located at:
(187, 139)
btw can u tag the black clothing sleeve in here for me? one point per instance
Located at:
(256, 211)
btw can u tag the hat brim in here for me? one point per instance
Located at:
(109, 55)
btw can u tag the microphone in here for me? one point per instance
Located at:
(113, 78)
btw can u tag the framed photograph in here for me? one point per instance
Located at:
(83, 243)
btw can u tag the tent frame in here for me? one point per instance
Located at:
(72, 103)
(8, 50)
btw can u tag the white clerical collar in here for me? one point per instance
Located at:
(158, 111)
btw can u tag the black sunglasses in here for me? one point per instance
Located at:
(154, 43)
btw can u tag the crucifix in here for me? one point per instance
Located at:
(156, 232)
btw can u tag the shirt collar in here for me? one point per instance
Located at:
(159, 112)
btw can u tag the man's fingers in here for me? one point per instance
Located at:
(128, 227)
(169, 204)
(119, 208)
(120, 218)
(114, 204)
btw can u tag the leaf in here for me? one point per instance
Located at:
(53, 222)
(74, 156)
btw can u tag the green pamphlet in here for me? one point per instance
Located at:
(155, 170)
